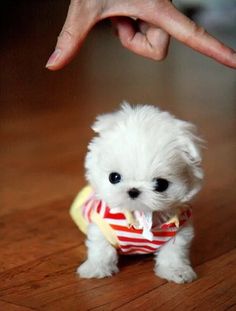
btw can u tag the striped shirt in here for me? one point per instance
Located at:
(129, 238)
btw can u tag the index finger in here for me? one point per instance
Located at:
(80, 19)
(186, 31)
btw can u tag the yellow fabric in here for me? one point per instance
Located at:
(76, 210)
(82, 223)
(130, 219)
(107, 231)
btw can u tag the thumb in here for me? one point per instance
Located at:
(78, 23)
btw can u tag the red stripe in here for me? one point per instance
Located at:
(164, 233)
(135, 250)
(126, 239)
(113, 216)
(166, 226)
(138, 246)
(140, 231)
(182, 222)
(126, 229)
(90, 199)
(89, 214)
(99, 207)
(189, 213)
(184, 217)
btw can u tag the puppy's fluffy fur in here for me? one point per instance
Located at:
(143, 143)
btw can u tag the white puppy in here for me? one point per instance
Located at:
(144, 167)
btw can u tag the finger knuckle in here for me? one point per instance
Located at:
(160, 53)
(66, 34)
(159, 56)
(76, 2)
(197, 31)
(126, 43)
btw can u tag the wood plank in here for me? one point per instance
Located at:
(46, 281)
(36, 233)
(214, 290)
(134, 287)
(6, 306)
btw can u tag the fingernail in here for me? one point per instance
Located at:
(53, 58)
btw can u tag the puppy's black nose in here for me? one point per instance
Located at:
(134, 193)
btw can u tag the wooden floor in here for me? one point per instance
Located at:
(45, 128)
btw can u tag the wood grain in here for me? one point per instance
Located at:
(45, 123)
(12, 307)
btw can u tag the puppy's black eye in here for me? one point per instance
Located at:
(114, 178)
(161, 184)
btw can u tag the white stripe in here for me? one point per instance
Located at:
(87, 208)
(136, 252)
(139, 236)
(124, 243)
(103, 209)
(140, 249)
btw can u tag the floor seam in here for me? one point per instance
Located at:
(17, 304)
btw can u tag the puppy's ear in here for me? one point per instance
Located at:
(104, 122)
(191, 146)
(107, 121)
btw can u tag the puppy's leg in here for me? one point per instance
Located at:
(172, 260)
(102, 256)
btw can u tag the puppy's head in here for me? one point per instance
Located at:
(144, 159)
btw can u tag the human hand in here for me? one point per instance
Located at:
(144, 27)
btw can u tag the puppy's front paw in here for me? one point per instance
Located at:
(181, 274)
(90, 270)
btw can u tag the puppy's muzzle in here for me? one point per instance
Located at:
(134, 193)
